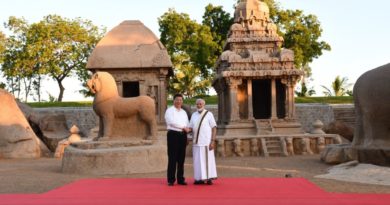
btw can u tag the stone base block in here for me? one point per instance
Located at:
(115, 157)
(379, 157)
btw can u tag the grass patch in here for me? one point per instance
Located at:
(325, 100)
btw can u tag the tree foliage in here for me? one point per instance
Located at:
(219, 22)
(2, 45)
(339, 87)
(304, 91)
(57, 47)
(187, 43)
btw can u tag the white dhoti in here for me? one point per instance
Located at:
(204, 163)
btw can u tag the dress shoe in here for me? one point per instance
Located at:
(170, 183)
(197, 182)
(209, 182)
(182, 183)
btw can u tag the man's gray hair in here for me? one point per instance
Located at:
(200, 100)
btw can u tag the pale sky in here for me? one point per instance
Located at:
(357, 30)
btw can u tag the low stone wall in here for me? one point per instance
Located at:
(86, 119)
(83, 117)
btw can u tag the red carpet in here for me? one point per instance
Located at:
(225, 191)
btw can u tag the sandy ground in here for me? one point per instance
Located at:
(42, 175)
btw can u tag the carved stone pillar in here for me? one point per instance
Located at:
(290, 107)
(162, 95)
(291, 85)
(119, 84)
(273, 101)
(288, 98)
(233, 106)
(250, 101)
(142, 87)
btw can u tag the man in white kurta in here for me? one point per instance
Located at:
(204, 131)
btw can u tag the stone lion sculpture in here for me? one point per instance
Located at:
(108, 105)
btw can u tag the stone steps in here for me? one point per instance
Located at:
(273, 146)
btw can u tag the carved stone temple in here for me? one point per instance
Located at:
(255, 83)
(137, 60)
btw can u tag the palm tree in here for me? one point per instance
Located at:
(305, 91)
(340, 87)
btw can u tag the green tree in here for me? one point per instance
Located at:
(187, 79)
(190, 43)
(55, 46)
(65, 45)
(2, 45)
(219, 22)
(340, 87)
(301, 33)
(18, 61)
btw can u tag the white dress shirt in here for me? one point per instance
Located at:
(176, 119)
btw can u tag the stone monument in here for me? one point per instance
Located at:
(255, 80)
(372, 103)
(371, 141)
(127, 141)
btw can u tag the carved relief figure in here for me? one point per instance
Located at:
(320, 144)
(108, 105)
(237, 147)
(305, 146)
(254, 147)
(221, 148)
(290, 146)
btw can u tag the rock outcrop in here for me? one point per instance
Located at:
(17, 139)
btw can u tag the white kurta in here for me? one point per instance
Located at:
(203, 158)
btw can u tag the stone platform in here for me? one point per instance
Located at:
(115, 157)
(251, 138)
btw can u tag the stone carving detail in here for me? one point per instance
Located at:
(108, 105)
(153, 93)
(237, 147)
(290, 146)
(255, 147)
(305, 146)
(74, 137)
(221, 148)
(317, 125)
(320, 144)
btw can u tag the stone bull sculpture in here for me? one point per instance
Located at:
(108, 105)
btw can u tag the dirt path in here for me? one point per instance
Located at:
(42, 175)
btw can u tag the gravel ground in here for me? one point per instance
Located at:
(42, 175)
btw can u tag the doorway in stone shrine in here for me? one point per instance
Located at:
(261, 98)
(130, 89)
(280, 99)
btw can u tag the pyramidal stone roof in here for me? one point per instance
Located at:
(129, 45)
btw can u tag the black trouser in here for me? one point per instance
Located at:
(177, 142)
